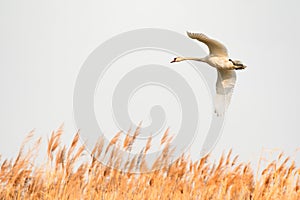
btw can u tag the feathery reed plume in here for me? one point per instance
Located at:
(64, 176)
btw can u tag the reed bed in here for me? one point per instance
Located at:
(65, 175)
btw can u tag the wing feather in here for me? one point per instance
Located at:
(224, 88)
(215, 47)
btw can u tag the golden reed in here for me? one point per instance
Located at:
(70, 173)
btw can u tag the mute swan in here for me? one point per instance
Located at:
(218, 58)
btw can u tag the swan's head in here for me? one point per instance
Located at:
(177, 59)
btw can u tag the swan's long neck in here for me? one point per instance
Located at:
(195, 59)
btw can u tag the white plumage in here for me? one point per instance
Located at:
(218, 58)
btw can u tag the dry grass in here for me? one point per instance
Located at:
(63, 176)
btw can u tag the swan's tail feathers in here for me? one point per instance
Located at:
(237, 64)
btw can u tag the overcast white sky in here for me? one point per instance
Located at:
(44, 43)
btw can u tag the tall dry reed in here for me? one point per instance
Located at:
(64, 176)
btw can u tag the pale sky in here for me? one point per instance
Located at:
(44, 44)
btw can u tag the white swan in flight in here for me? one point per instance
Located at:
(218, 58)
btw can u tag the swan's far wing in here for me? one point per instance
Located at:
(224, 87)
(215, 47)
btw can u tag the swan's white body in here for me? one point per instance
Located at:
(218, 58)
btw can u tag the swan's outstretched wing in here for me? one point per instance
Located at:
(216, 48)
(224, 87)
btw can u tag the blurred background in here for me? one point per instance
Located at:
(43, 45)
